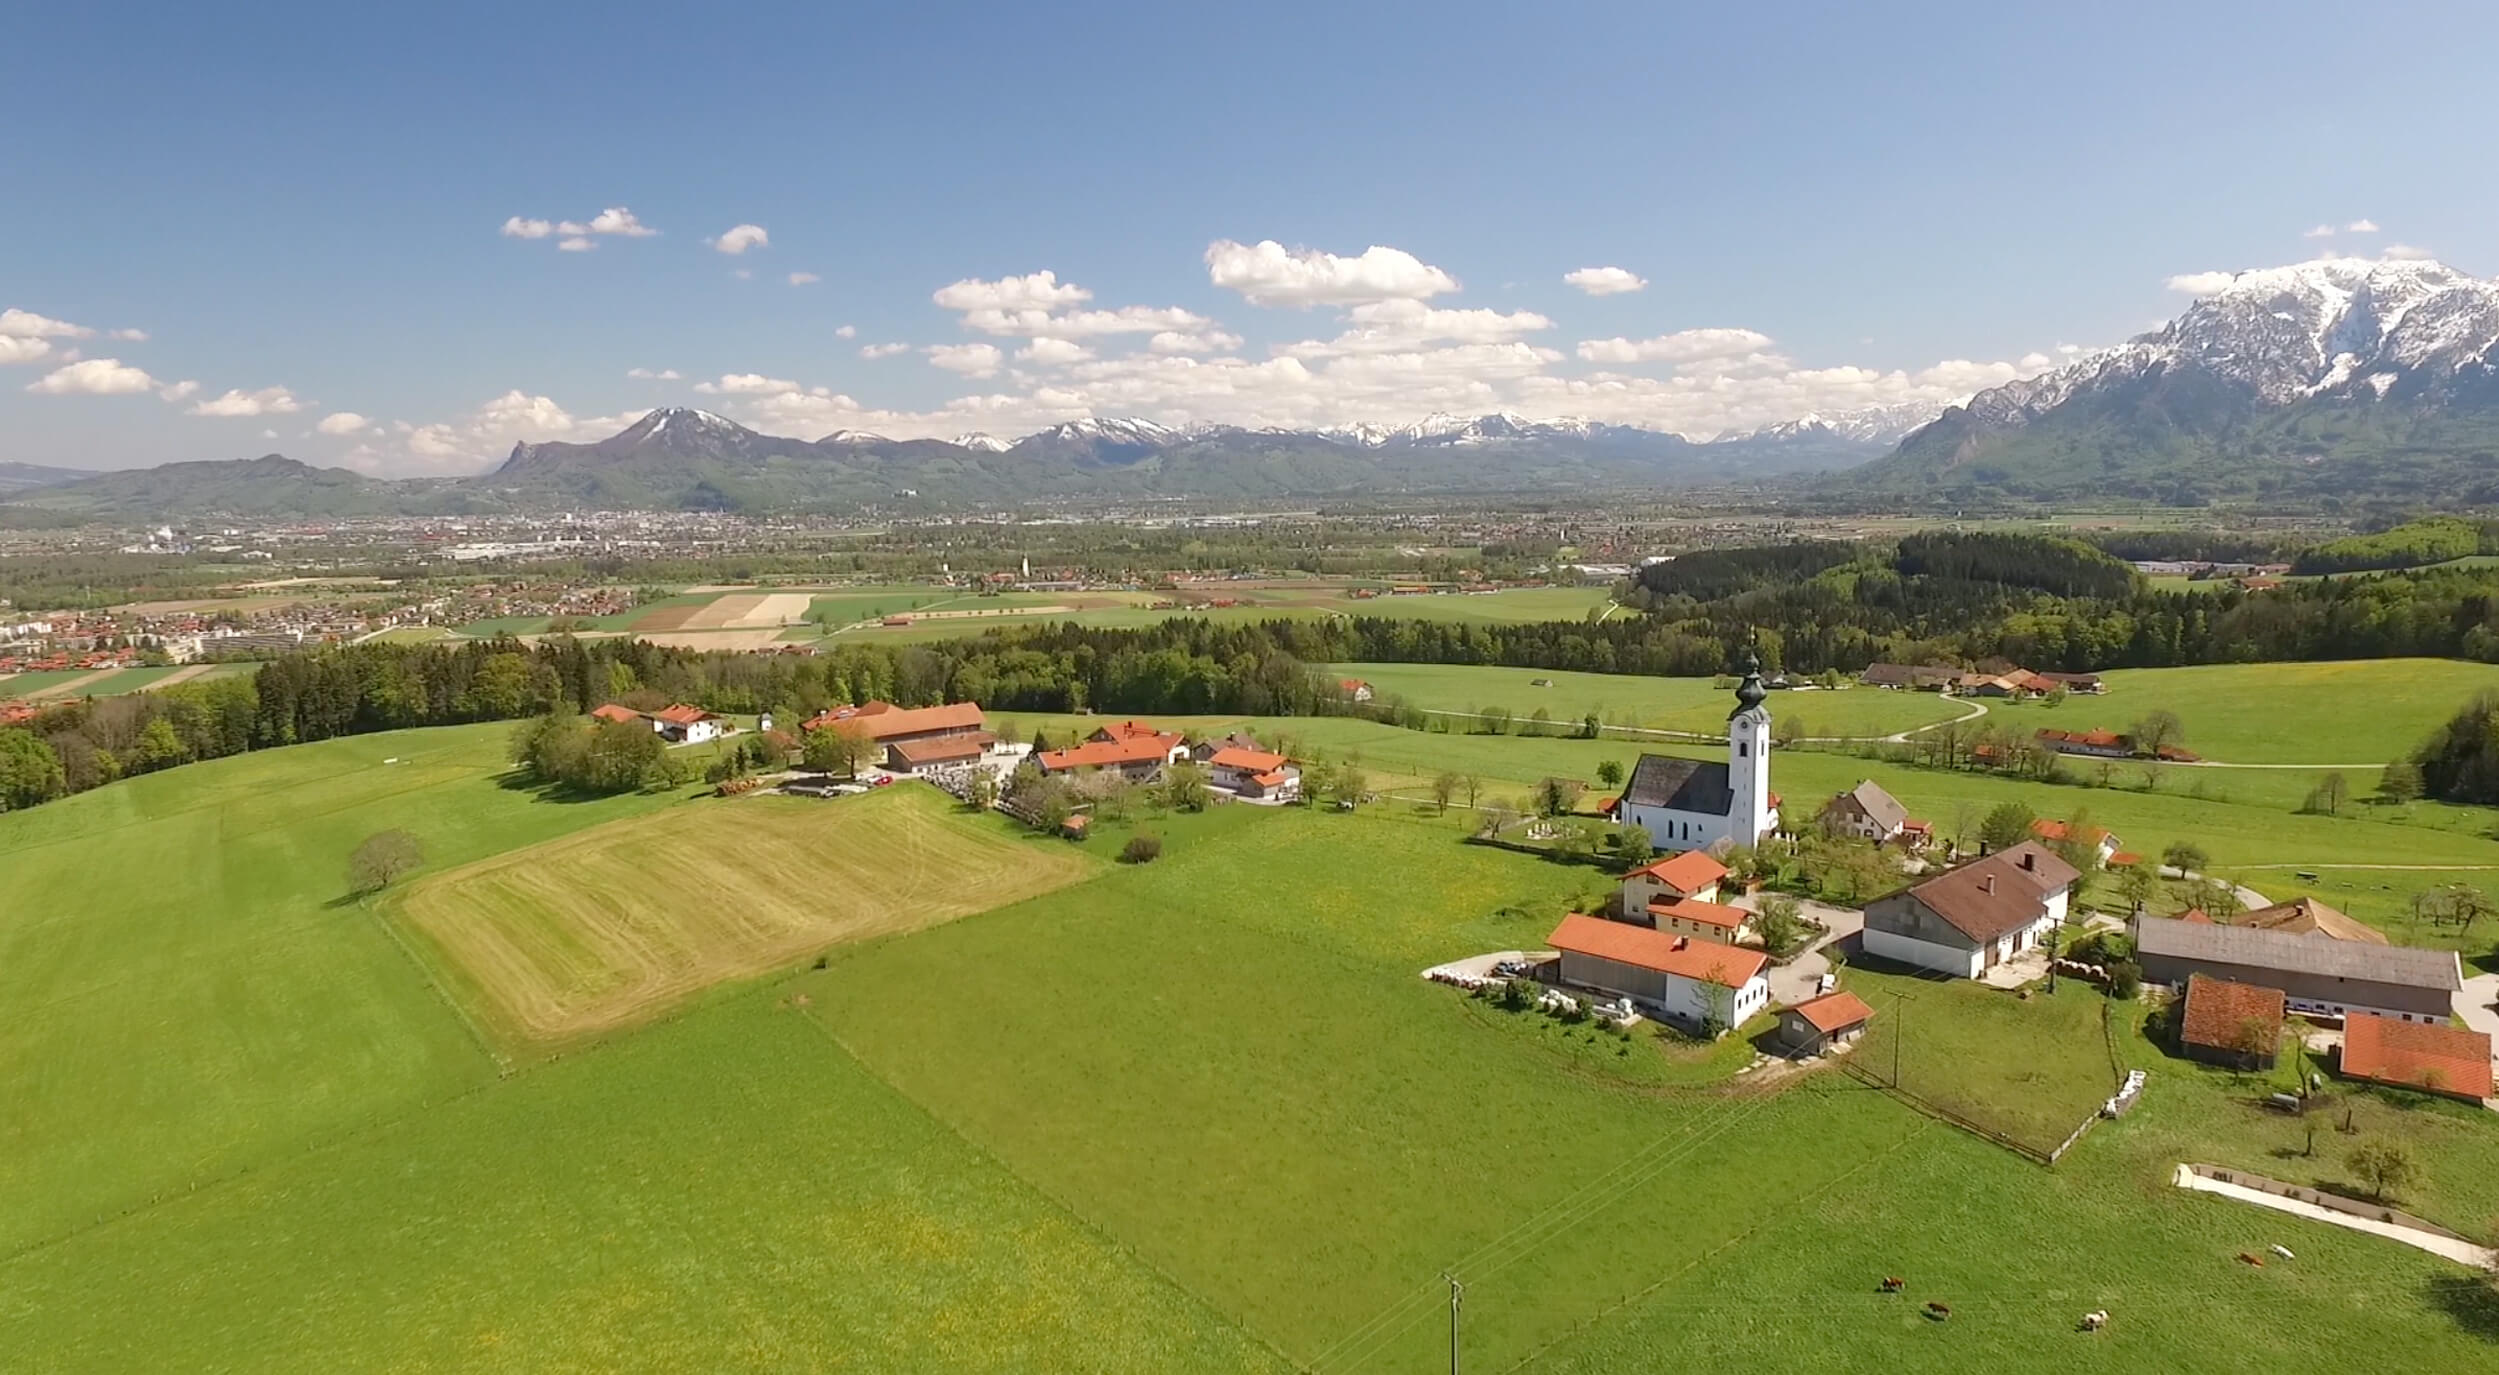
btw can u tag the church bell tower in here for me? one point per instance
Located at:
(1750, 814)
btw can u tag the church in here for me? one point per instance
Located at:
(1693, 804)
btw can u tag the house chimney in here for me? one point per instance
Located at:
(1987, 883)
(2030, 860)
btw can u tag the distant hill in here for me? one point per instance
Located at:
(683, 459)
(2338, 377)
(25, 477)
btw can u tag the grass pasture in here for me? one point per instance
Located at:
(1697, 705)
(607, 927)
(2339, 712)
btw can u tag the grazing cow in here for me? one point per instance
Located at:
(1893, 1284)
(2255, 1260)
(1938, 1311)
(2093, 1322)
(2283, 1251)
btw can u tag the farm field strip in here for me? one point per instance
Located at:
(613, 925)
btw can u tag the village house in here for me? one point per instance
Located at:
(1970, 919)
(1693, 804)
(2416, 1055)
(1697, 984)
(2097, 744)
(935, 754)
(2077, 682)
(2051, 831)
(622, 715)
(1254, 774)
(1679, 895)
(683, 724)
(1826, 1023)
(1867, 812)
(1905, 677)
(2330, 978)
(1204, 751)
(1355, 689)
(2228, 1023)
(1131, 748)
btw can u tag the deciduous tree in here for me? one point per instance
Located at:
(381, 859)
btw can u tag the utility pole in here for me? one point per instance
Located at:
(1900, 1030)
(1457, 1295)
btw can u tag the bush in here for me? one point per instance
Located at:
(2125, 979)
(1141, 849)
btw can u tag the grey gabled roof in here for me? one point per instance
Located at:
(2254, 947)
(1698, 786)
(1880, 807)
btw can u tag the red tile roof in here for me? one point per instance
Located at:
(1705, 913)
(2218, 1011)
(1835, 1011)
(1725, 965)
(1095, 754)
(1689, 872)
(1271, 779)
(2418, 1055)
(1128, 730)
(1247, 761)
(613, 712)
(680, 714)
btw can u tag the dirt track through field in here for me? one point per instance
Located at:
(612, 926)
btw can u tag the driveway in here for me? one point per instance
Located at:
(1801, 978)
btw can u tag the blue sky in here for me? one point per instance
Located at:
(302, 206)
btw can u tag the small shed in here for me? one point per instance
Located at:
(1819, 1024)
(1076, 827)
(2228, 1023)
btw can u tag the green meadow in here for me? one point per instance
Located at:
(1199, 1114)
(1696, 705)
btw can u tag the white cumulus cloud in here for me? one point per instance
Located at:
(2200, 283)
(804, 279)
(1174, 341)
(882, 350)
(131, 336)
(2405, 250)
(739, 238)
(971, 360)
(19, 349)
(2323, 231)
(1267, 273)
(342, 422)
(1400, 326)
(1682, 346)
(575, 236)
(93, 377)
(25, 324)
(650, 375)
(1051, 352)
(1605, 281)
(2361, 227)
(846, 332)
(1034, 291)
(746, 384)
(266, 401)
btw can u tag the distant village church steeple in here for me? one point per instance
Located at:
(1693, 804)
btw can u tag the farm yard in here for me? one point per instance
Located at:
(1038, 1110)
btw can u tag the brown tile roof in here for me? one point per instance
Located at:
(680, 714)
(1986, 898)
(2309, 917)
(1706, 913)
(1725, 965)
(1689, 872)
(882, 721)
(1834, 1011)
(2218, 1011)
(1247, 761)
(612, 712)
(2440, 1059)
(938, 749)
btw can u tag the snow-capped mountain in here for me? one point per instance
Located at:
(1885, 425)
(2352, 374)
(984, 443)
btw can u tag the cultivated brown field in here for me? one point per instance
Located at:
(615, 925)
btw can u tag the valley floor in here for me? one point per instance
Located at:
(1197, 1114)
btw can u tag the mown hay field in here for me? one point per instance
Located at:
(609, 927)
